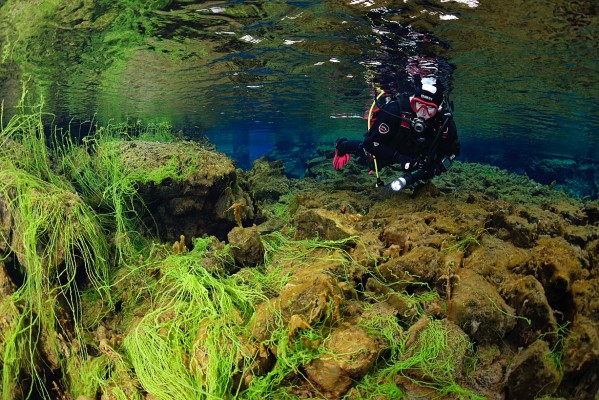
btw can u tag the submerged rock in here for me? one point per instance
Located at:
(435, 353)
(580, 361)
(527, 296)
(322, 224)
(532, 373)
(581, 347)
(479, 310)
(7, 286)
(267, 180)
(311, 296)
(247, 248)
(350, 353)
(187, 189)
(5, 224)
(555, 264)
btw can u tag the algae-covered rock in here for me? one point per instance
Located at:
(532, 374)
(581, 347)
(10, 314)
(410, 228)
(311, 296)
(524, 225)
(204, 350)
(478, 309)
(495, 259)
(488, 378)
(401, 305)
(580, 361)
(435, 353)
(421, 264)
(187, 189)
(247, 248)
(5, 224)
(555, 264)
(527, 296)
(350, 353)
(7, 286)
(585, 295)
(267, 180)
(322, 224)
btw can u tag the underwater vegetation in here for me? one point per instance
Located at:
(136, 265)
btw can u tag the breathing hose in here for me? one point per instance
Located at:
(379, 182)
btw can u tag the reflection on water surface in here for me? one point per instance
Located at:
(281, 76)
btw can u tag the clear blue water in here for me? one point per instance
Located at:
(286, 78)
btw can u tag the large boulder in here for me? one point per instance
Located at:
(187, 189)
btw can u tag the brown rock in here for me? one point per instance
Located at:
(322, 224)
(409, 228)
(312, 296)
(5, 224)
(351, 352)
(7, 286)
(478, 309)
(400, 304)
(585, 294)
(527, 296)
(523, 226)
(187, 189)
(488, 378)
(446, 348)
(581, 361)
(247, 247)
(421, 264)
(532, 374)
(268, 180)
(495, 258)
(555, 264)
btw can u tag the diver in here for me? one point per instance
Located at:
(416, 132)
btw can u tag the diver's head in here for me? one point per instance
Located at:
(428, 98)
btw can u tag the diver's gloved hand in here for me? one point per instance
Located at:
(406, 162)
(341, 157)
(340, 161)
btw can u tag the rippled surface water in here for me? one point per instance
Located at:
(284, 77)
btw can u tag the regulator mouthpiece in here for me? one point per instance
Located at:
(418, 124)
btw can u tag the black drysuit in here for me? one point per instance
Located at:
(391, 139)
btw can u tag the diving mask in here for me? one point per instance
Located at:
(423, 109)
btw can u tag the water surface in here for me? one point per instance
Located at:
(284, 77)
